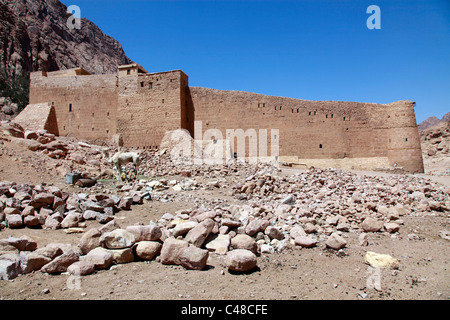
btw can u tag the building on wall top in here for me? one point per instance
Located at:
(131, 69)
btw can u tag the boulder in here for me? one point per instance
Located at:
(70, 221)
(35, 262)
(240, 260)
(371, 225)
(171, 250)
(118, 239)
(193, 258)
(42, 199)
(200, 232)
(31, 221)
(14, 220)
(147, 250)
(255, 226)
(49, 251)
(51, 223)
(243, 241)
(125, 204)
(9, 269)
(90, 215)
(391, 227)
(145, 233)
(219, 244)
(61, 263)
(305, 241)
(81, 268)
(90, 240)
(99, 257)
(182, 228)
(274, 233)
(335, 242)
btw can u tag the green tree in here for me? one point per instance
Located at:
(15, 87)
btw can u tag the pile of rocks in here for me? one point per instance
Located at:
(46, 206)
(436, 140)
(99, 248)
(73, 155)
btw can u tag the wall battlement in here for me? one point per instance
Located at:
(140, 107)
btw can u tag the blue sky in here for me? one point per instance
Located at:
(314, 50)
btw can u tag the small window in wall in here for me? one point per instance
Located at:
(150, 86)
(332, 115)
(320, 146)
(107, 114)
(162, 100)
(275, 107)
(142, 84)
(310, 113)
(406, 139)
(128, 71)
(314, 112)
(70, 107)
(344, 118)
(297, 110)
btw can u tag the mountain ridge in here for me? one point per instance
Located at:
(35, 37)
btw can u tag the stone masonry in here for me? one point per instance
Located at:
(138, 108)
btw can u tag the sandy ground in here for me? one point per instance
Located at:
(315, 273)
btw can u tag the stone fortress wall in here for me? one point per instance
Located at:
(140, 107)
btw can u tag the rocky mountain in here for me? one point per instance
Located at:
(34, 35)
(433, 121)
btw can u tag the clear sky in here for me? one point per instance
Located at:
(314, 50)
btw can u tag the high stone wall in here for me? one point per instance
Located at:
(141, 108)
(85, 105)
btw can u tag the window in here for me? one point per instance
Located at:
(320, 146)
(128, 71)
(310, 113)
(150, 86)
(162, 100)
(142, 84)
(70, 107)
(406, 139)
(107, 114)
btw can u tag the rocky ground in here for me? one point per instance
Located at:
(435, 142)
(222, 232)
